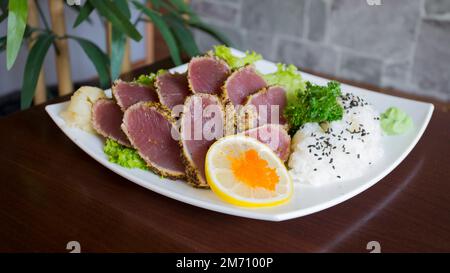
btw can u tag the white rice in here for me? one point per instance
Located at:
(344, 150)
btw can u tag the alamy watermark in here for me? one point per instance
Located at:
(369, 2)
(374, 2)
(208, 122)
(73, 2)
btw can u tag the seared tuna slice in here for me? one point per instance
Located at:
(241, 84)
(207, 74)
(264, 107)
(172, 89)
(151, 130)
(273, 135)
(129, 93)
(202, 123)
(106, 120)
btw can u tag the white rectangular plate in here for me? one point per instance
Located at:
(306, 199)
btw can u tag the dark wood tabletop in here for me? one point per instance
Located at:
(51, 193)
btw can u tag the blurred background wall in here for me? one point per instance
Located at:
(404, 44)
(82, 69)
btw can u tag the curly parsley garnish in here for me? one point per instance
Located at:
(316, 104)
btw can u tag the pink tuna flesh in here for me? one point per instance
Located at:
(201, 125)
(269, 105)
(243, 83)
(172, 89)
(207, 74)
(273, 135)
(106, 120)
(150, 132)
(128, 94)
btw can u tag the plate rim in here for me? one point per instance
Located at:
(249, 213)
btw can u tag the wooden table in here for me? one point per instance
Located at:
(51, 193)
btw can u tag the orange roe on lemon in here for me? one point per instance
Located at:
(250, 169)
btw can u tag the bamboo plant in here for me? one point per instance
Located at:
(173, 18)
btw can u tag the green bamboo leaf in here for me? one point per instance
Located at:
(156, 4)
(2, 44)
(110, 11)
(4, 5)
(83, 13)
(205, 28)
(28, 31)
(182, 6)
(164, 29)
(3, 16)
(118, 42)
(183, 34)
(123, 6)
(33, 66)
(78, 9)
(17, 21)
(98, 58)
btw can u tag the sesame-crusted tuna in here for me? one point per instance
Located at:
(206, 74)
(264, 107)
(201, 125)
(151, 130)
(129, 93)
(241, 84)
(172, 89)
(106, 120)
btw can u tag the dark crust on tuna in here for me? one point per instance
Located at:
(192, 173)
(157, 86)
(230, 113)
(99, 130)
(230, 117)
(248, 114)
(113, 90)
(164, 111)
(207, 56)
(231, 123)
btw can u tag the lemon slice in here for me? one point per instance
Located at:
(245, 172)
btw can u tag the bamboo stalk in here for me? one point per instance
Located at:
(150, 41)
(185, 16)
(63, 69)
(126, 64)
(108, 37)
(33, 21)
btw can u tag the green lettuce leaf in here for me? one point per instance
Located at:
(149, 79)
(289, 77)
(224, 53)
